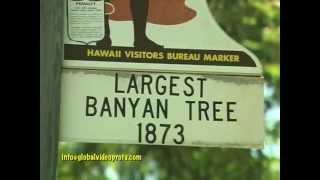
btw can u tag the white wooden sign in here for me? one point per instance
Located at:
(168, 75)
(162, 109)
(192, 40)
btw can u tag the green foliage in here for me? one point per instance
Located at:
(253, 23)
(258, 30)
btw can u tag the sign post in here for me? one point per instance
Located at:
(168, 78)
(51, 56)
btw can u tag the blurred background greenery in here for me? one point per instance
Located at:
(256, 25)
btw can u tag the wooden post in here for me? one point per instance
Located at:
(51, 55)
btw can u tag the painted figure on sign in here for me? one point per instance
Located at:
(163, 12)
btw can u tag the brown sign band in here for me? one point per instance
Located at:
(162, 56)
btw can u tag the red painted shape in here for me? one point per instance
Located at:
(163, 12)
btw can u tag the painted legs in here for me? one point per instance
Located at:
(139, 10)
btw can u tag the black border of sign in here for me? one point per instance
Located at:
(20, 64)
(299, 89)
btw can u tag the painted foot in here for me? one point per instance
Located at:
(147, 44)
(105, 43)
